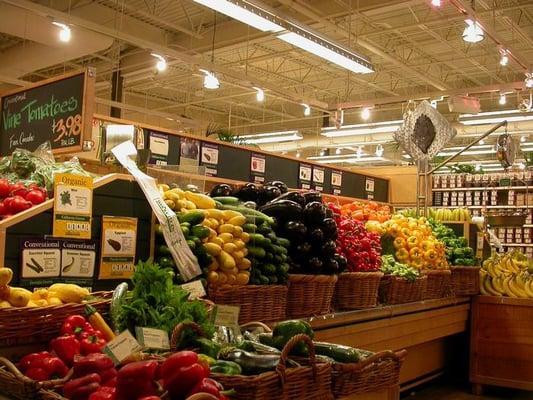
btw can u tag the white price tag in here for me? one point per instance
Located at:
(195, 289)
(121, 347)
(151, 338)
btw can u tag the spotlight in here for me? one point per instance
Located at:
(523, 139)
(365, 113)
(322, 152)
(338, 151)
(210, 80)
(298, 154)
(260, 95)
(64, 34)
(307, 109)
(502, 99)
(473, 32)
(482, 142)
(379, 150)
(359, 152)
(478, 167)
(161, 64)
(522, 165)
(529, 80)
(504, 59)
(435, 3)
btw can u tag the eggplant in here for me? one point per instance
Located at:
(314, 213)
(329, 226)
(303, 249)
(295, 231)
(269, 193)
(315, 265)
(221, 190)
(329, 213)
(293, 196)
(312, 196)
(248, 192)
(342, 261)
(316, 237)
(328, 248)
(283, 210)
(331, 266)
(280, 185)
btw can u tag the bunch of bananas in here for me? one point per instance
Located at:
(507, 275)
(443, 214)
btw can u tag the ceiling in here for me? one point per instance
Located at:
(417, 52)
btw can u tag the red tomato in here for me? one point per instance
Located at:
(4, 188)
(35, 196)
(18, 204)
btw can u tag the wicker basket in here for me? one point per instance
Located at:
(357, 290)
(266, 303)
(309, 382)
(397, 290)
(29, 325)
(50, 395)
(376, 372)
(439, 284)
(310, 295)
(16, 385)
(465, 281)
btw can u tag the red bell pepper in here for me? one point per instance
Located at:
(104, 393)
(136, 380)
(96, 362)
(91, 342)
(75, 325)
(206, 385)
(181, 372)
(26, 361)
(149, 398)
(108, 375)
(66, 347)
(81, 388)
(43, 366)
(111, 382)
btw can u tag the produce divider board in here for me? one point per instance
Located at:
(234, 163)
(58, 110)
(114, 194)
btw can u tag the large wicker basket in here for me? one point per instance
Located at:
(356, 290)
(310, 295)
(50, 395)
(29, 325)
(439, 284)
(309, 382)
(397, 290)
(376, 372)
(267, 303)
(16, 385)
(465, 281)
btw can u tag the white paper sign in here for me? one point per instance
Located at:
(122, 346)
(318, 175)
(195, 289)
(336, 178)
(151, 338)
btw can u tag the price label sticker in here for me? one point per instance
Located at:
(151, 338)
(224, 315)
(121, 347)
(195, 289)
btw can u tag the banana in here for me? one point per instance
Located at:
(516, 288)
(508, 291)
(497, 284)
(489, 288)
(529, 288)
(482, 286)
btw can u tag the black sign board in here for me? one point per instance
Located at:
(54, 110)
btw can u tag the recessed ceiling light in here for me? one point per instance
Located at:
(435, 3)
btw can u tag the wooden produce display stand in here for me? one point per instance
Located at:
(425, 329)
(501, 343)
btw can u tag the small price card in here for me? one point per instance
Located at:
(151, 338)
(121, 347)
(195, 289)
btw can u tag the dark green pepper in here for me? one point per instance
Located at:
(208, 347)
(284, 331)
(226, 368)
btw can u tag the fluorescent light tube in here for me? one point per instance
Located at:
(351, 160)
(494, 117)
(274, 137)
(323, 49)
(468, 152)
(243, 12)
(362, 129)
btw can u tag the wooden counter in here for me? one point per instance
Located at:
(501, 343)
(423, 328)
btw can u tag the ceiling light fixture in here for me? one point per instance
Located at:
(210, 80)
(359, 152)
(523, 139)
(473, 33)
(307, 109)
(365, 113)
(243, 12)
(272, 137)
(379, 150)
(260, 95)
(481, 142)
(504, 58)
(363, 129)
(338, 151)
(502, 100)
(436, 3)
(267, 20)
(495, 117)
(529, 80)
(298, 154)
(351, 160)
(161, 64)
(65, 33)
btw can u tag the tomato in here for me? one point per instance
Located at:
(18, 204)
(4, 188)
(36, 196)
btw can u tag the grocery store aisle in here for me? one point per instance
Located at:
(443, 391)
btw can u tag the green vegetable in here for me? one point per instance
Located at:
(251, 363)
(155, 302)
(227, 200)
(226, 368)
(256, 252)
(192, 217)
(339, 353)
(285, 330)
(208, 347)
(266, 339)
(200, 231)
(116, 302)
(250, 228)
(390, 266)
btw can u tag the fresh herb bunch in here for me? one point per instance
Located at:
(155, 302)
(392, 267)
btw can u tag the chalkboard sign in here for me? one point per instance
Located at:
(57, 110)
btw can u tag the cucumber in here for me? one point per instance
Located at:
(263, 280)
(200, 231)
(227, 200)
(284, 242)
(249, 228)
(116, 302)
(256, 252)
(264, 229)
(185, 230)
(193, 217)
(257, 240)
(340, 353)
(258, 216)
(269, 269)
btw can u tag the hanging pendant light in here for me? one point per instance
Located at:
(473, 33)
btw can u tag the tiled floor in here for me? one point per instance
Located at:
(442, 391)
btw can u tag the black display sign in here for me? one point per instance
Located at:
(54, 111)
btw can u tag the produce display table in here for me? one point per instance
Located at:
(501, 343)
(422, 328)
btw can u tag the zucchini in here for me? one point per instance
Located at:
(340, 353)
(284, 242)
(257, 240)
(250, 228)
(264, 229)
(227, 200)
(258, 216)
(193, 217)
(116, 303)
(256, 252)
(200, 231)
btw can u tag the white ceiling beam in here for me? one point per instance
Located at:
(138, 41)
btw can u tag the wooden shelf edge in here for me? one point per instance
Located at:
(49, 204)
